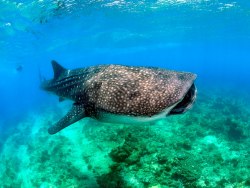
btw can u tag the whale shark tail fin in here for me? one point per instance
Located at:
(75, 114)
(58, 69)
(41, 77)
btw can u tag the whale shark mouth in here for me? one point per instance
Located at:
(186, 103)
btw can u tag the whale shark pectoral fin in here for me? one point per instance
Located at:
(75, 114)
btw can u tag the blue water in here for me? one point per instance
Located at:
(209, 38)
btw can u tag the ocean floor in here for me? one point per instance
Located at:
(209, 146)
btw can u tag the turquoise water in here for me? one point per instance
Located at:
(206, 147)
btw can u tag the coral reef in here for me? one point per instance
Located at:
(206, 147)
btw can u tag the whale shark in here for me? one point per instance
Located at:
(120, 94)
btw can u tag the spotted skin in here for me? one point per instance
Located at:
(117, 89)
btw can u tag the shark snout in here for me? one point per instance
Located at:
(186, 102)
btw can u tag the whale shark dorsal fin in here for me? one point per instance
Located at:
(75, 114)
(58, 69)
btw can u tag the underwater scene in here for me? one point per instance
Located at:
(124, 94)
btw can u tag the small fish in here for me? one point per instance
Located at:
(19, 68)
(121, 94)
